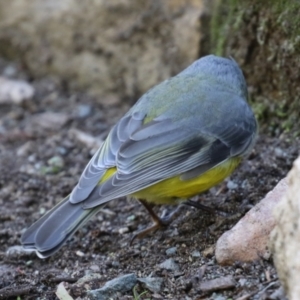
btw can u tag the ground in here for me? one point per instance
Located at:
(40, 162)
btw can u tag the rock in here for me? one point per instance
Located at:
(217, 284)
(248, 240)
(169, 264)
(196, 253)
(231, 185)
(154, 284)
(285, 238)
(171, 251)
(86, 139)
(25, 149)
(15, 91)
(140, 42)
(278, 294)
(209, 251)
(50, 120)
(62, 293)
(87, 278)
(83, 111)
(121, 285)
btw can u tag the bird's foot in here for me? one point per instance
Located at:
(208, 209)
(158, 222)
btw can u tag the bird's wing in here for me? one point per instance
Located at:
(145, 154)
(105, 157)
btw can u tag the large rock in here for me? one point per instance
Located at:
(117, 47)
(286, 236)
(248, 240)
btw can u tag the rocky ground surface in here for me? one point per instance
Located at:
(45, 143)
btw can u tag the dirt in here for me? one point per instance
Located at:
(31, 183)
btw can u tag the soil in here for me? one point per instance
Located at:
(32, 183)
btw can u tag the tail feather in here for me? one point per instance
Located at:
(49, 233)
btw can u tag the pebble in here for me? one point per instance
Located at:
(217, 284)
(169, 264)
(62, 293)
(83, 110)
(154, 284)
(10, 71)
(15, 91)
(232, 185)
(49, 120)
(242, 281)
(171, 251)
(209, 251)
(123, 230)
(95, 268)
(196, 253)
(219, 297)
(79, 253)
(120, 284)
(86, 139)
(87, 278)
(280, 153)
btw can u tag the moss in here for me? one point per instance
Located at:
(264, 37)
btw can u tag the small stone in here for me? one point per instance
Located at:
(25, 149)
(83, 110)
(209, 251)
(242, 281)
(217, 284)
(50, 120)
(196, 253)
(278, 294)
(171, 251)
(85, 138)
(87, 278)
(280, 153)
(62, 293)
(131, 218)
(15, 91)
(169, 264)
(121, 285)
(115, 264)
(123, 230)
(79, 253)
(10, 71)
(154, 284)
(95, 268)
(232, 185)
(219, 297)
(61, 150)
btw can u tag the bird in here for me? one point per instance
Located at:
(182, 137)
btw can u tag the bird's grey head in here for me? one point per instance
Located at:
(222, 69)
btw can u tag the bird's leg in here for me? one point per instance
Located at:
(206, 208)
(159, 222)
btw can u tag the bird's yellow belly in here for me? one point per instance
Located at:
(171, 190)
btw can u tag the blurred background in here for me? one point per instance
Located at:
(116, 50)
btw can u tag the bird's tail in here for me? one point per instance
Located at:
(49, 233)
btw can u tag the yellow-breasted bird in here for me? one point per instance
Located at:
(182, 137)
